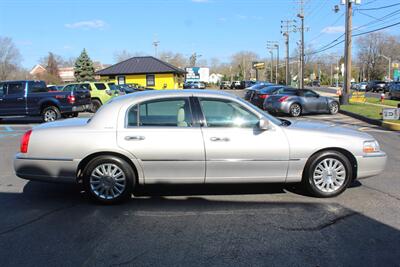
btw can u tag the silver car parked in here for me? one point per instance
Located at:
(297, 102)
(193, 136)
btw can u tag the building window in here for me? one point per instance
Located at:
(150, 80)
(121, 79)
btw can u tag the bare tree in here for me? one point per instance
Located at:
(176, 59)
(9, 58)
(125, 54)
(242, 64)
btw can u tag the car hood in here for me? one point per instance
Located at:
(327, 129)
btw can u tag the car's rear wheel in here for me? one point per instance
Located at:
(108, 179)
(327, 174)
(96, 104)
(50, 113)
(334, 108)
(295, 110)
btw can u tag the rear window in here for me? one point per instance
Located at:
(100, 86)
(38, 87)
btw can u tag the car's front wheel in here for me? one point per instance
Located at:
(96, 104)
(334, 108)
(327, 174)
(108, 179)
(295, 110)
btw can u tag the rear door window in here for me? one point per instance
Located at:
(16, 88)
(100, 86)
(162, 113)
(2, 89)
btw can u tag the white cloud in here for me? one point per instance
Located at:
(88, 24)
(333, 29)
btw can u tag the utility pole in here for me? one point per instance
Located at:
(301, 16)
(344, 99)
(286, 29)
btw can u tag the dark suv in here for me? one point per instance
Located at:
(376, 86)
(394, 90)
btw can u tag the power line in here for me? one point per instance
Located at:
(377, 8)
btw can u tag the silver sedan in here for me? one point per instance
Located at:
(194, 136)
(297, 102)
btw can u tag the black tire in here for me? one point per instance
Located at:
(124, 167)
(313, 164)
(75, 114)
(334, 108)
(295, 110)
(96, 104)
(50, 113)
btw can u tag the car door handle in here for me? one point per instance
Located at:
(218, 139)
(134, 138)
(20, 98)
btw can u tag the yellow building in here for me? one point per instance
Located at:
(145, 71)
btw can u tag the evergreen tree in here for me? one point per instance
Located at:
(84, 70)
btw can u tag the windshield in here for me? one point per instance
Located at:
(264, 113)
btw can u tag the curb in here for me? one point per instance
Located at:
(385, 124)
(361, 118)
(391, 126)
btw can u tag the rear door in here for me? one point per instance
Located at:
(37, 90)
(14, 101)
(162, 134)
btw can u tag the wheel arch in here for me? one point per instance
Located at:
(346, 153)
(96, 98)
(83, 163)
(48, 103)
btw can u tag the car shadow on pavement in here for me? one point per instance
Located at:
(53, 223)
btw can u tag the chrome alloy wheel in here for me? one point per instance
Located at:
(50, 115)
(334, 108)
(107, 181)
(329, 175)
(295, 110)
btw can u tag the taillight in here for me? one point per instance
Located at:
(263, 96)
(283, 99)
(71, 99)
(25, 141)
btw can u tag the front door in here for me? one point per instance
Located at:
(14, 101)
(312, 101)
(236, 149)
(161, 133)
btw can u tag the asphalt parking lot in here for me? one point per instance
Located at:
(223, 225)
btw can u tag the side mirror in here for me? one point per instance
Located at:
(263, 124)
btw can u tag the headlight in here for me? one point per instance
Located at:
(371, 146)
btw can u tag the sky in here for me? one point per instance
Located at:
(211, 28)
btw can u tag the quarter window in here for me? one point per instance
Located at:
(69, 88)
(168, 112)
(150, 80)
(225, 113)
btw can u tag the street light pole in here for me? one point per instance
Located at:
(277, 64)
(390, 63)
(272, 62)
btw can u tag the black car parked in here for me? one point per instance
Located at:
(259, 96)
(394, 90)
(376, 86)
(33, 98)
